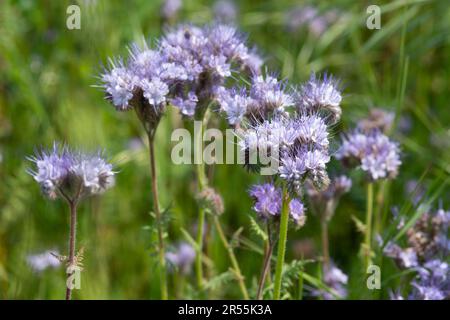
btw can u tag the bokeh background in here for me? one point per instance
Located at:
(47, 92)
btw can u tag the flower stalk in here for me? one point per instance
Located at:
(159, 222)
(72, 243)
(281, 244)
(234, 262)
(368, 233)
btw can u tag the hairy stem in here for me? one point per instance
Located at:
(266, 264)
(233, 259)
(281, 245)
(161, 248)
(368, 234)
(325, 244)
(202, 182)
(72, 242)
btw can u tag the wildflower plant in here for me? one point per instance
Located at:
(379, 157)
(188, 70)
(288, 128)
(71, 175)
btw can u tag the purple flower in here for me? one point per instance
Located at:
(320, 94)
(234, 103)
(297, 212)
(41, 261)
(119, 84)
(267, 198)
(182, 257)
(62, 172)
(155, 91)
(374, 152)
(186, 105)
(269, 95)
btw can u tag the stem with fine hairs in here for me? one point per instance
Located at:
(72, 241)
(234, 262)
(161, 247)
(368, 234)
(325, 244)
(281, 244)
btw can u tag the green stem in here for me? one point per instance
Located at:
(161, 249)
(325, 244)
(72, 241)
(368, 235)
(281, 245)
(202, 182)
(233, 259)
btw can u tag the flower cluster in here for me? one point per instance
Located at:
(187, 69)
(300, 144)
(71, 174)
(427, 243)
(268, 203)
(320, 95)
(373, 151)
(182, 258)
(265, 97)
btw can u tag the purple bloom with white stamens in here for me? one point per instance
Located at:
(63, 172)
(319, 94)
(119, 84)
(186, 105)
(267, 198)
(297, 212)
(373, 152)
(234, 104)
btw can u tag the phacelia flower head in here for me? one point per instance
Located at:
(186, 69)
(374, 152)
(320, 94)
(268, 199)
(182, 257)
(268, 203)
(299, 144)
(71, 174)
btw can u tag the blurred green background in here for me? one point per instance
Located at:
(47, 73)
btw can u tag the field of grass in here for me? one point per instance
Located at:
(48, 75)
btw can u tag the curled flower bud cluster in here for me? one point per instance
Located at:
(187, 68)
(211, 200)
(182, 257)
(427, 243)
(71, 174)
(373, 151)
(268, 203)
(320, 95)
